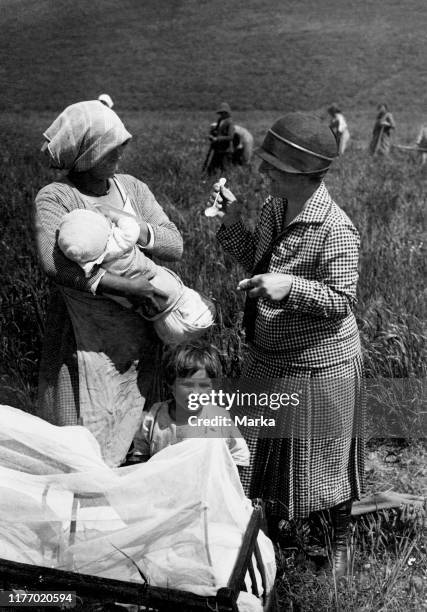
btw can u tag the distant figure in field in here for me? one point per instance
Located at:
(382, 132)
(338, 125)
(105, 99)
(221, 137)
(243, 146)
(422, 143)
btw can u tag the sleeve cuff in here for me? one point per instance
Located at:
(227, 232)
(94, 281)
(150, 243)
(298, 297)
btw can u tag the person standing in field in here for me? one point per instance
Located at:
(422, 143)
(382, 132)
(338, 125)
(243, 146)
(301, 332)
(97, 360)
(221, 137)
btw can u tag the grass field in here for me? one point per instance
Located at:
(167, 64)
(387, 202)
(191, 54)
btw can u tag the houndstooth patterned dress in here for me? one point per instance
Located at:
(307, 344)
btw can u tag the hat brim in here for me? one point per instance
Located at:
(277, 163)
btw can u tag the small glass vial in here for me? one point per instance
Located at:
(213, 210)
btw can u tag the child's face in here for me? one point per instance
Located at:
(196, 384)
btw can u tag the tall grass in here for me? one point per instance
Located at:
(387, 202)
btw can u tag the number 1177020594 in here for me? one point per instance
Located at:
(65, 599)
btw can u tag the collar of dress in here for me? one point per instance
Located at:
(316, 208)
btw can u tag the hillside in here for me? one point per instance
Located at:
(191, 54)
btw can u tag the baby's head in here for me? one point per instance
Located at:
(189, 370)
(83, 235)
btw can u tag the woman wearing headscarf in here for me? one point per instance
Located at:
(97, 359)
(382, 132)
(303, 341)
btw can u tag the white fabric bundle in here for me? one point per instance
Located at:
(180, 517)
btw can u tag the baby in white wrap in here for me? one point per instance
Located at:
(109, 240)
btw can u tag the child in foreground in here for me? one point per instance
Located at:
(108, 238)
(188, 369)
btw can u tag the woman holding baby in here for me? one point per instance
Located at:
(98, 356)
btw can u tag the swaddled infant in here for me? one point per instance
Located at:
(109, 240)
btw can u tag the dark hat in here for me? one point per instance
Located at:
(382, 106)
(224, 108)
(334, 108)
(299, 143)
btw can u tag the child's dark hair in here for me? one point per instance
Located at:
(186, 359)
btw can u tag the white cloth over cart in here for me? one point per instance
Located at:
(179, 518)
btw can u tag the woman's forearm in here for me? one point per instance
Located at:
(138, 290)
(114, 284)
(239, 243)
(318, 299)
(168, 244)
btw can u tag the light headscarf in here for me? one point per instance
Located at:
(82, 134)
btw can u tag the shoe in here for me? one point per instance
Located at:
(341, 516)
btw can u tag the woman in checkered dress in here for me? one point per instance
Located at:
(98, 357)
(301, 330)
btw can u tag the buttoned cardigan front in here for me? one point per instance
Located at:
(314, 326)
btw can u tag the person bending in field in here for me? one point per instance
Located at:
(188, 370)
(221, 137)
(107, 237)
(243, 146)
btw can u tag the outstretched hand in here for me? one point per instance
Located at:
(271, 285)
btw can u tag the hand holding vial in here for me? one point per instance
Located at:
(223, 204)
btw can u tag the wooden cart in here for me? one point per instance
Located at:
(104, 590)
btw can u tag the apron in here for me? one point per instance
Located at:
(115, 348)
